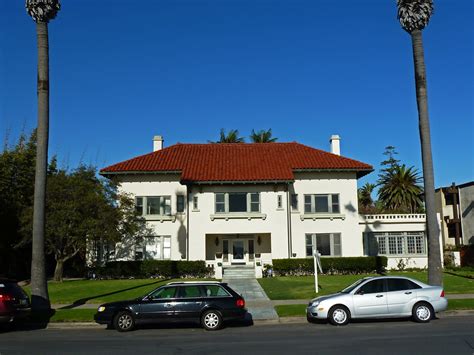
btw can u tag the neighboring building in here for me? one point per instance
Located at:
(455, 204)
(246, 204)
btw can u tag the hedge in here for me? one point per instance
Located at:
(344, 265)
(154, 268)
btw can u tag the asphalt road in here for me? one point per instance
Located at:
(450, 335)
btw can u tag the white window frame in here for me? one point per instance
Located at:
(397, 243)
(226, 202)
(167, 198)
(312, 203)
(141, 247)
(332, 243)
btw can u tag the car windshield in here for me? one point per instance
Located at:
(353, 286)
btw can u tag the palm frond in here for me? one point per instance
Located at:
(414, 14)
(42, 10)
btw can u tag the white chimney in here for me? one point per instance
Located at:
(157, 143)
(335, 142)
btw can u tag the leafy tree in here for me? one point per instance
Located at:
(414, 16)
(262, 136)
(400, 190)
(42, 11)
(366, 203)
(390, 163)
(82, 208)
(231, 137)
(17, 173)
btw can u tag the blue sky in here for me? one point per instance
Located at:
(124, 71)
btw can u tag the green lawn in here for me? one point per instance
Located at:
(99, 291)
(73, 315)
(302, 287)
(299, 310)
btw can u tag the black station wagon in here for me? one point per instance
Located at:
(209, 303)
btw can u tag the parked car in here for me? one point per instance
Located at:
(209, 303)
(379, 297)
(14, 302)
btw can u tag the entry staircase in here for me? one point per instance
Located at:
(238, 272)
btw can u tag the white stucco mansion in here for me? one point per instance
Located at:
(246, 204)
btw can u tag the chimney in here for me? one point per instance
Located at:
(335, 142)
(157, 143)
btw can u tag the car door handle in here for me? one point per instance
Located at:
(168, 305)
(378, 296)
(408, 293)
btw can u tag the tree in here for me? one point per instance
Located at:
(231, 137)
(390, 163)
(262, 136)
(366, 204)
(42, 11)
(414, 16)
(82, 208)
(400, 190)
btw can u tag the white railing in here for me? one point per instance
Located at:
(392, 218)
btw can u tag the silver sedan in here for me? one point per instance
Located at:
(380, 297)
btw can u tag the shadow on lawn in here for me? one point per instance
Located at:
(471, 277)
(83, 301)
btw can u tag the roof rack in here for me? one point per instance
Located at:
(193, 282)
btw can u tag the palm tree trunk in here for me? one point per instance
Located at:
(435, 276)
(39, 286)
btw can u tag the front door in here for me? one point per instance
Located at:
(238, 251)
(370, 300)
(159, 306)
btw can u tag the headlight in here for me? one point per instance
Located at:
(314, 304)
(101, 309)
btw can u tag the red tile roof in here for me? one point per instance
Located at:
(234, 162)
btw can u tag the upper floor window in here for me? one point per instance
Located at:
(228, 202)
(195, 203)
(153, 205)
(321, 203)
(180, 203)
(279, 202)
(294, 202)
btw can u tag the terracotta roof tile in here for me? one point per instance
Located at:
(237, 162)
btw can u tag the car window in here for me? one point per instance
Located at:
(348, 289)
(215, 291)
(375, 286)
(13, 289)
(189, 292)
(165, 292)
(401, 284)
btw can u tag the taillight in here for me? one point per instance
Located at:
(240, 303)
(442, 293)
(5, 298)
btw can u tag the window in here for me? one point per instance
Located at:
(401, 285)
(180, 203)
(215, 291)
(153, 248)
(328, 244)
(166, 292)
(397, 243)
(294, 202)
(279, 202)
(375, 286)
(189, 292)
(195, 203)
(153, 205)
(321, 203)
(231, 202)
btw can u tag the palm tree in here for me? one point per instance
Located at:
(414, 16)
(366, 204)
(231, 137)
(400, 190)
(262, 136)
(42, 11)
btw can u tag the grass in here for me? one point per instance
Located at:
(299, 310)
(73, 315)
(99, 291)
(302, 287)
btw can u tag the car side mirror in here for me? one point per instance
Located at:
(146, 298)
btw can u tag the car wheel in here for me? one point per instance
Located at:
(211, 320)
(124, 321)
(339, 315)
(422, 312)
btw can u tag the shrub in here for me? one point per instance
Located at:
(344, 265)
(154, 268)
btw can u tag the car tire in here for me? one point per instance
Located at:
(211, 320)
(124, 321)
(422, 312)
(339, 315)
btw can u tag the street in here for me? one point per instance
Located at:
(452, 335)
